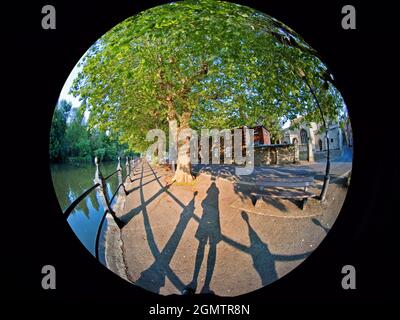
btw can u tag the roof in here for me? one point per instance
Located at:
(260, 126)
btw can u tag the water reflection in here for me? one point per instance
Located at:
(70, 181)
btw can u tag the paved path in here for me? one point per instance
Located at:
(191, 235)
(339, 167)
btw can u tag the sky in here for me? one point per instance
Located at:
(64, 95)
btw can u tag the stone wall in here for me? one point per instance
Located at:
(275, 154)
(303, 152)
(281, 154)
(321, 155)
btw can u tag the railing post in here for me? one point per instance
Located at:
(133, 164)
(119, 164)
(97, 175)
(128, 168)
(120, 179)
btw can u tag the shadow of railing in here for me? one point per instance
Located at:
(209, 231)
(100, 185)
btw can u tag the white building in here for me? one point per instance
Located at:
(312, 140)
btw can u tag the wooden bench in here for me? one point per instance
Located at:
(284, 188)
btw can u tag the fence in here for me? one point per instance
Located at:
(100, 185)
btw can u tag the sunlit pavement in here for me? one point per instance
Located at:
(179, 236)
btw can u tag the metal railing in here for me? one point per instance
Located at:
(100, 184)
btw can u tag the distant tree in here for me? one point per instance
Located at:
(204, 64)
(72, 140)
(57, 145)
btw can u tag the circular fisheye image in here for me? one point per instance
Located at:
(201, 147)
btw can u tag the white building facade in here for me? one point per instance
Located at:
(311, 139)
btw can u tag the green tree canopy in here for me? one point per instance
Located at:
(205, 64)
(57, 144)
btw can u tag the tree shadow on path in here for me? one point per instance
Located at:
(209, 231)
(263, 259)
(153, 278)
(144, 203)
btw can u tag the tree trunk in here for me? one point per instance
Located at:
(183, 173)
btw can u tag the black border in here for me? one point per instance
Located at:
(362, 61)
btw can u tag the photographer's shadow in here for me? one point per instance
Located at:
(208, 231)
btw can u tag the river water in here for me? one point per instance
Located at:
(69, 182)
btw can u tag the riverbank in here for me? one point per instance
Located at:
(114, 256)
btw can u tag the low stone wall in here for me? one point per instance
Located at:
(114, 255)
(321, 155)
(275, 154)
(286, 154)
